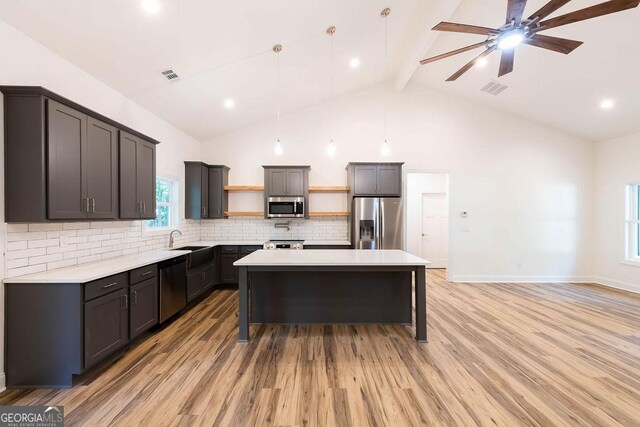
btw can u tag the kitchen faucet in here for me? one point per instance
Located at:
(171, 237)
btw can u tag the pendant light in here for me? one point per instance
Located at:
(278, 148)
(386, 148)
(331, 147)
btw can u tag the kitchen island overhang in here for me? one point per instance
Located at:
(332, 287)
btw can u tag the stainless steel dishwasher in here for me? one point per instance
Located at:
(173, 286)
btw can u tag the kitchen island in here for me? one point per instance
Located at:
(332, 287)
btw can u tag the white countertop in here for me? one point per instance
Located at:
(263, 241)
(222, 243)
(328, 257)
(97, 270)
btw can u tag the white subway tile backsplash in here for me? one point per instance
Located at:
(16, 246)
(329, 228)
(33, 248)
(43, 243)
(45, 227)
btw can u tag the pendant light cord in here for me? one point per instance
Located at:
(331, 126)
(278, 101)
(386, 100)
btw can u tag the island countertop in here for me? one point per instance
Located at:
(328, 257)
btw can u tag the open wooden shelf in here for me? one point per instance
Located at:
(244, 188)
(244, 214)
(312, 188)
(311, 214)
(329, 188)
(316, 214)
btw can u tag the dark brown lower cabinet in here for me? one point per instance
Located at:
(228, 273)
(209, 278)
(200, 282)
(143, 314)
(194, 286)
(106, 326)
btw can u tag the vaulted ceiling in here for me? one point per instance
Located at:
(222, 50)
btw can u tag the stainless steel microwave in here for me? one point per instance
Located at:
(285, 207)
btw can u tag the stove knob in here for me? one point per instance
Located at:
(272, 245)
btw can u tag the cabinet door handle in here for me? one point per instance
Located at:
(86, 205)
(134, 294)
(110, 285)
(146, 273)
(203, 211)
(125, 302)
(144, 207)
(93, 204)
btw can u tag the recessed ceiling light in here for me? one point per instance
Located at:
(607, 104)
(482, 62)
(151, 6)
(229, 103)
(354, 63)
(511, 39)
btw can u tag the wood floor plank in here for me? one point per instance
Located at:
(498, 354)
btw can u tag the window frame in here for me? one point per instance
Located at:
(632, 224)
(173, 204)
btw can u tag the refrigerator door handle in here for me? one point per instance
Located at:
(381, 224)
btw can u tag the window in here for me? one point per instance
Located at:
(633, 223)
(166, 205)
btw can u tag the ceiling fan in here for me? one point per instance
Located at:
(517, 30)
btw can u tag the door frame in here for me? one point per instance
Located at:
(405, 173)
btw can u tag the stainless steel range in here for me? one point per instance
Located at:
(284, 244)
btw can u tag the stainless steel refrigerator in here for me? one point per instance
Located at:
(377, 223)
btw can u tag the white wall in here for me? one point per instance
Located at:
(25, 62)
(618, 164)
(527, 188)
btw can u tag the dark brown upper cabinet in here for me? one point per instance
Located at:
(375, 179)
(83, 165)
(62, 160)
(286, 181)
(137, 178)
(218, 196)
(205, 196)
(67, 130)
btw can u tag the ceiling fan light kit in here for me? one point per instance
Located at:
(518, 31)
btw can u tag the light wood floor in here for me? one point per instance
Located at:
(499, 354)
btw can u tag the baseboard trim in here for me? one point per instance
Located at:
(617, 284)
(520, 279)
(603, 281)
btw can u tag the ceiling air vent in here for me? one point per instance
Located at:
(169, 75)
(494, 88)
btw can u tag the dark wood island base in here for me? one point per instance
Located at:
(336, 294)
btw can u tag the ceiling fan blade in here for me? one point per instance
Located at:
(506, 62)
(464, 28)
(453, 52)
(548, 9)
(555, 44)
(601, 9)
(515, 10)
(470, 65)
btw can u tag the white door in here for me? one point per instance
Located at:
(435, 229)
